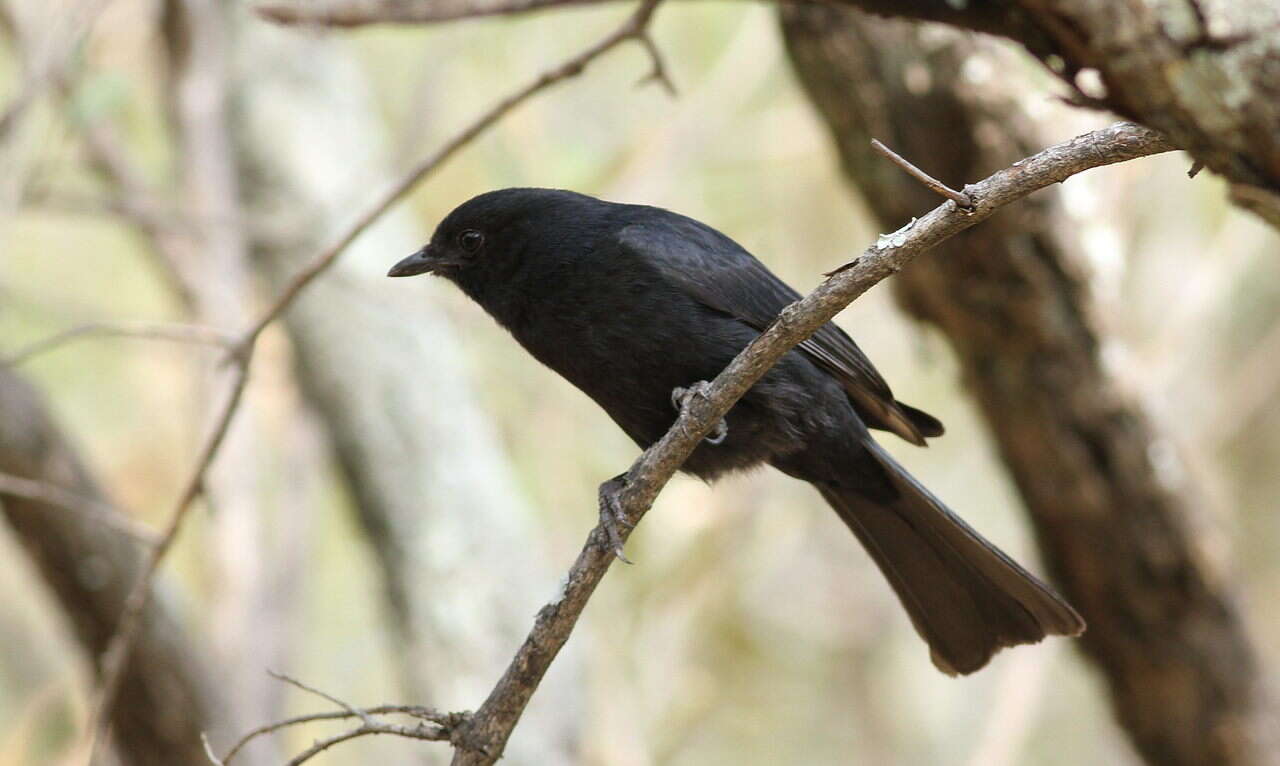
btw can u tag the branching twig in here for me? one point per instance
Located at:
(960, 198)
(184, 333)
(413, 711)
(482, 738)
(441, 725)
(241, 350)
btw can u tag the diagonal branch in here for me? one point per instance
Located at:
(481, 739)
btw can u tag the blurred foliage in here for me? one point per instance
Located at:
(753, 629)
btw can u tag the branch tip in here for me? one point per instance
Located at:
(962, 200)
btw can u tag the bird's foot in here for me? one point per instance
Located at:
(680, 396)
(612, 518)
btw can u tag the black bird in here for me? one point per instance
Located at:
(631, 303)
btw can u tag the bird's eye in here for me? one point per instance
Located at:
(470, 240)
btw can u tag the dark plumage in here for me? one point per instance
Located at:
(629, 302)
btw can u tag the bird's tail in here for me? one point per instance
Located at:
(966, 598)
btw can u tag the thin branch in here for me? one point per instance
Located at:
(414, 711)
(362, 715)
(658, 73)
(441, 724)
(960, 198)
(85, 507)
(424, 731)
(183, 333)
(634, 28)
(353, 13)
(483, 737)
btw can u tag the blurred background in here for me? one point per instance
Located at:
(404, 487)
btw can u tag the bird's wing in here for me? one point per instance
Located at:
(720, 274)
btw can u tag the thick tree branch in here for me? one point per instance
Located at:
(1116, 528)
(481, 739)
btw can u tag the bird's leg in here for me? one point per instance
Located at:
(680, 397)
(612, 517)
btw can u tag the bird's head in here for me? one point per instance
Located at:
(485, 236)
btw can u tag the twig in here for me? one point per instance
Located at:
(414, 711)
(634, 28)
(362, 715)
(241, 350)
(483, 737)
(184, 333)
(442, 726)
(960, 198)
(49, 494)
(422, 731)
(658, 73)
(354, 13)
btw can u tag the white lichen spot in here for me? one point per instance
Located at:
(896, 239)
(958, 5)
(561, 591)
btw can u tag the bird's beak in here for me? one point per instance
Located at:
(422, 262)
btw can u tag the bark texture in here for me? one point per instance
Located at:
(1206, 73)
(1011, 300)
(167, 697)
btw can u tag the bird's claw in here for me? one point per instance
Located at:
(680, 396)
(612, 517)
